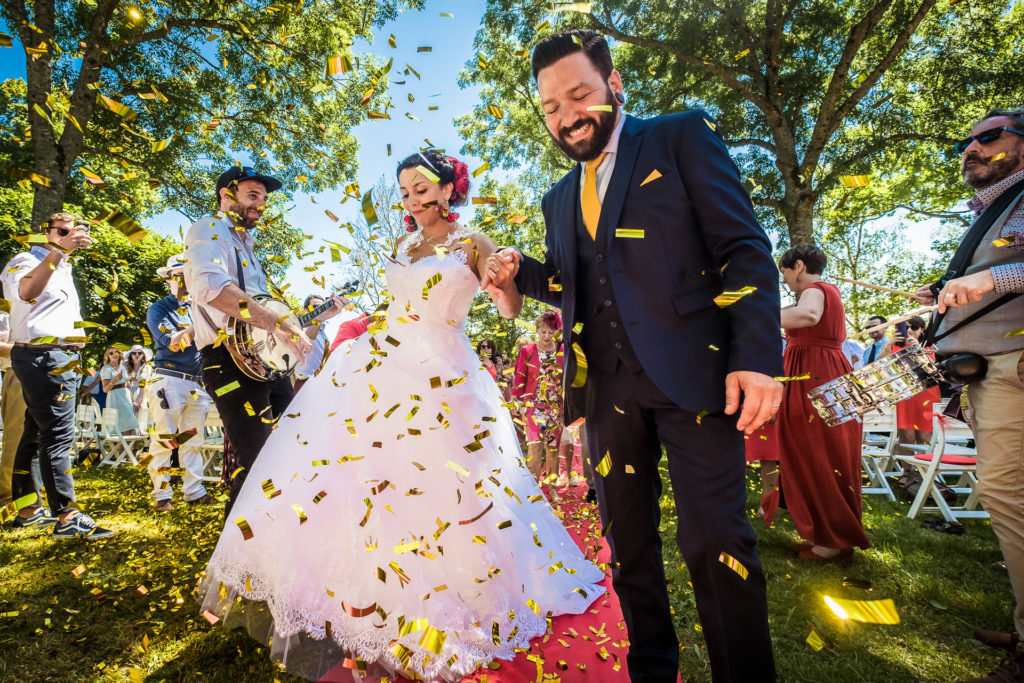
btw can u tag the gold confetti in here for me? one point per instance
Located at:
(486, 165)
(227, 388)
(1014, 333)
(1004, 241)
(797, 378)
(734, 564)
(600, 107)
(634, 233)
(300, 512)
(995, 157)
(605, 466)
(855, 180)
(428, 174)
(244, 526)
(728, 298)
(744, 53)
(654, 175)
(865, 611)
(815, 640)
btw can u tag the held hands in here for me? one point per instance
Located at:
(181, 340)
(761, 398)
(500, 271)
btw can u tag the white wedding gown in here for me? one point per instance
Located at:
(390, 522)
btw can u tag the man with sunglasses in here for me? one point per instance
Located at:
(178, 402)
(992, 162)
(46, 346)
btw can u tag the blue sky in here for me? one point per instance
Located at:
(451, 43)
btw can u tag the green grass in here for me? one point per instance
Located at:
(100, 625)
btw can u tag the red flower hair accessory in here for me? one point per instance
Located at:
(460, 191)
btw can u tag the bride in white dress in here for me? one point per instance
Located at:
(390, 523)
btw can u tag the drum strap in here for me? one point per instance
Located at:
(962, 258)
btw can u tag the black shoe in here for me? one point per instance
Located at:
(41, 516)
(998, 639)
(591, 496)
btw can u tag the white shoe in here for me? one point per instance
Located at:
(574, 480)
(562, 482)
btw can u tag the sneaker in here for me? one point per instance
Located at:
(205, 499)
(42, 516)
(80, 526)
(1010, 670)
(163, 506)
(562, 481)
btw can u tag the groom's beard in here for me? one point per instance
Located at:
(604, 125)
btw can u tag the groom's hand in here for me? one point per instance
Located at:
(761, 398)
(501, 269)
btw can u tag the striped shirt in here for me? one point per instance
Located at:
(1008, 277)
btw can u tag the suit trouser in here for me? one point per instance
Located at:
(629, 419)
(12, 412)
(247, 427)
(186, 407)
(49, 430)
(997, 418)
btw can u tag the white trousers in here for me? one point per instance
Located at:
(186, 407)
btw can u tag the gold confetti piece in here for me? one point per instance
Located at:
(1004, 241)
(741, 55)
(485, 200)
(448, 15)
(855, 180)
(485, 511)
(210, 617)
(300, 512)
(269, 490)
(728, 298)
(227, 388)
(995, 157)
(78, 571)
(702, 414)
(734, 564)
(605, 466)
(581, 362)
(486, 165)
(428, 174)
(797, 378)
(711, 124)
(634, 233)
(318, 497)
(243, 309)
(338, 64)
(402, 576)
(244, 526)
(865, 611)
(1014, 333)
(600, 107)
(815, 640)
(369, 213)
(5, 40)
(434, 279)
(406, 547)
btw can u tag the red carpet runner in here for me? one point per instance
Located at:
(586, 647)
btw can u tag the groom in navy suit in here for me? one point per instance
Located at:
(671, 307)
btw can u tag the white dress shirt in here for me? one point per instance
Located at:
(314, 358)
(211, 246)
(52, 316)
(604, 170)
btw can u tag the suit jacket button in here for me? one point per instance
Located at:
(618, 345)
(607, 302)
(614, 324)
(599, 258)
(603, 280)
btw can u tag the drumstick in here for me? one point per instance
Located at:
(878, 287)
(908, 316)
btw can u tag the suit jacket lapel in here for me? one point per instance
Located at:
(615, 195)
(567, 224)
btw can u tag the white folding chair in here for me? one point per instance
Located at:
(213, 446)
(878, 449)
(121, 445)
(940, 460)
(89, 429)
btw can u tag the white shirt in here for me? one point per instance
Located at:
(854, 352)
(5, 335)
(314, 358)
(604, 170)
(211, 264)
(53, 313)
(878, 346)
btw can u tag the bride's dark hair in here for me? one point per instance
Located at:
(448, 169)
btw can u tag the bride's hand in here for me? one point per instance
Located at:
(500, 270)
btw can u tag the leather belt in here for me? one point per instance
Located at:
(48, 347)
(167, 372)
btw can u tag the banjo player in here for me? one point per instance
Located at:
(223, 276)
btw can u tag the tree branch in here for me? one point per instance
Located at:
(757, 142)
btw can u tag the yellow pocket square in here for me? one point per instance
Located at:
(655, 174)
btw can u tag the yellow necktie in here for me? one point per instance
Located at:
(591, 201)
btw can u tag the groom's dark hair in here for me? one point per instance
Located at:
(558, 45)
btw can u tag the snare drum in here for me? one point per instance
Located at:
(885, 382)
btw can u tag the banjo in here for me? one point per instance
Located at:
(259, 354)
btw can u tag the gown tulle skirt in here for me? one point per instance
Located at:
(390, 522)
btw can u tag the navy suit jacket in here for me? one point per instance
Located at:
(674, 181)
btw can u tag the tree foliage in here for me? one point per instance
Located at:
(806, 92)
(133, 97)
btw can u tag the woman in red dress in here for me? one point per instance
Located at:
(819, 468)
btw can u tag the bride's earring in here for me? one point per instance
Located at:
(410, 223)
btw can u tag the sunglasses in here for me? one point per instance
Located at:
(984, 137)
(64, 232)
